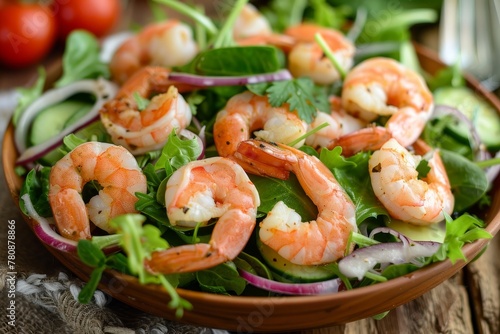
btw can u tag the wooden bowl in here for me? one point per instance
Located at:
(273, 314)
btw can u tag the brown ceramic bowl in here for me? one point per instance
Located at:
(274, 314)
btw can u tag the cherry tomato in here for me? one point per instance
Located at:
(96, 16)
(27, 33)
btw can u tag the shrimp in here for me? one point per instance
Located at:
(252, 28)
(250, 22)
(339, 123)
(117, 173)
(307, 58)
(281, 41)
(247, 112)
(369, 138)
(141, 131)
(395, 182)
(165, 44)
(199, 192)
(384, 87)
(319, 241)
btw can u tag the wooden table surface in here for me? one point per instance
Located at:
(469, 302)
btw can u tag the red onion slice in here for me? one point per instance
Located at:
(403, 238)
(362, 260)
(101, 88)
(316, 288)
(212, 81)
(43, 230)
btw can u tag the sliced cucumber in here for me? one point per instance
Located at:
(482, 114)
(79, 113)
(52, 120)
(433, 232)
(286, 271)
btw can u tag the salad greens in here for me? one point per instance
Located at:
(81, 59)
(139, 235)
(28, 95)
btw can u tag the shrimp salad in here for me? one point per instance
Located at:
(254, 156)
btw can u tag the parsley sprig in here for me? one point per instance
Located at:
(300, 93)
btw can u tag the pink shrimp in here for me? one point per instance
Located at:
(252, 28)
(307, 58)
(339, 123)
(384, 87)
(165, 44)
(145, 130)
(116, 171)
(319, 241)
(250, 22)
(245, 113)
(198, 192)
(395, 182)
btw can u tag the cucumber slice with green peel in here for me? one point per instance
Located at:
(49, 122)
(432, 232)
(482, 114)
(52, 120)
(77, 115)
(286, 271)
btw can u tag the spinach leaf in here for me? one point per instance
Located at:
(253, 265)
(352, 174)
(468, 181)
(81, 59)
(397, 270)
(149, 206)
(221, 279)
(272, 190)
(234, 61)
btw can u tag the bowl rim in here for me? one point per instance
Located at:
(434, 274)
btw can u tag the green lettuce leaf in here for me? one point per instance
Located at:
(81, 59)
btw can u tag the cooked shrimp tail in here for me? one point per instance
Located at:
(203, 190)
(396, 184)
(367, 139)
(247, 114)
(319, 241)
(145, 130)
(164, 44)
(383, 87)
(308, 59)
(116, 171)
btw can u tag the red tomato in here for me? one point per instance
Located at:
(96, 16)
(27, 33)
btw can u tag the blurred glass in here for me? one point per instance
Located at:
(469, 35)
